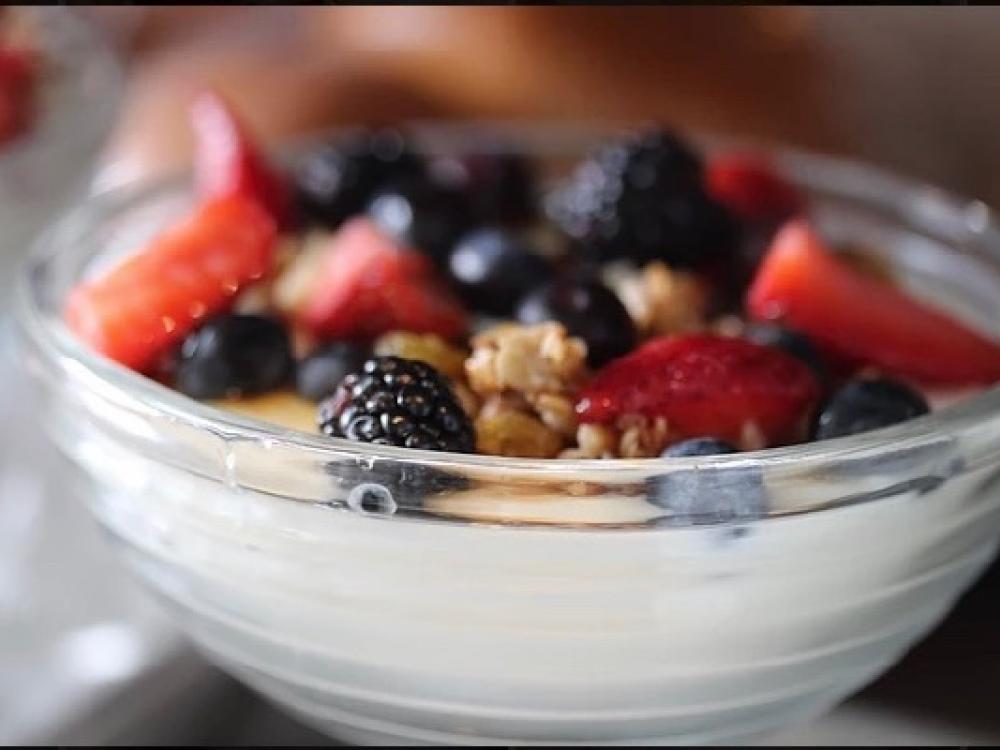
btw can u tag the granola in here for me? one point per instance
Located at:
(534, 359)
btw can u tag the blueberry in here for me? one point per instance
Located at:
(588, 309)
(863, 405)
(710, 495)
(336, 180)
(318, 375)
(702, 446)
(493, 269)
(500, 186)
(422, 215)
(234, 355)
(792, 342)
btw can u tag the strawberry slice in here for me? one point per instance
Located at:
(859, 317)
(148, 303)
(18, 75)
(705, 386)
(368, 285)
(748, 185)
(228, 163)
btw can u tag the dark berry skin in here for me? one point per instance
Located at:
(319, 374)
(401, 402)
(703, 446)
(337, 180)
(421, 215)
(588, 309)
(493, 269)
(863, 405)
(234, 355)
(501, 187)
(792, 342)
(642, 198)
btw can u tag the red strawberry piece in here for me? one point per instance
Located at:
(18, 78)
(153, 299)
(749, 186)
(859, 317)
(227, 162)
(705, 386)
(369, 284)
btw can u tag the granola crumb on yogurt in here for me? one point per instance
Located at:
(533, 359)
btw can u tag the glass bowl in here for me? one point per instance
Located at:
(389, 595)
(79, 92)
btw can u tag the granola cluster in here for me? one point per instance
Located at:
(660, 300)
(527, 377)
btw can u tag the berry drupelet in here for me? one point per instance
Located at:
(401, 402)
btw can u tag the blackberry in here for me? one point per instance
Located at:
(401, 402)
(642, 198)
(337, 180)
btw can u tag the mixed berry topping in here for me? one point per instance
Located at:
(647, 303)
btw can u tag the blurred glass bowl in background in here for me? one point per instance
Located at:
(79, 92)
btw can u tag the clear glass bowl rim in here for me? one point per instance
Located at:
(909, 200)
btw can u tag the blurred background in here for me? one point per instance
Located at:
(914, 89)
(85, 658)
